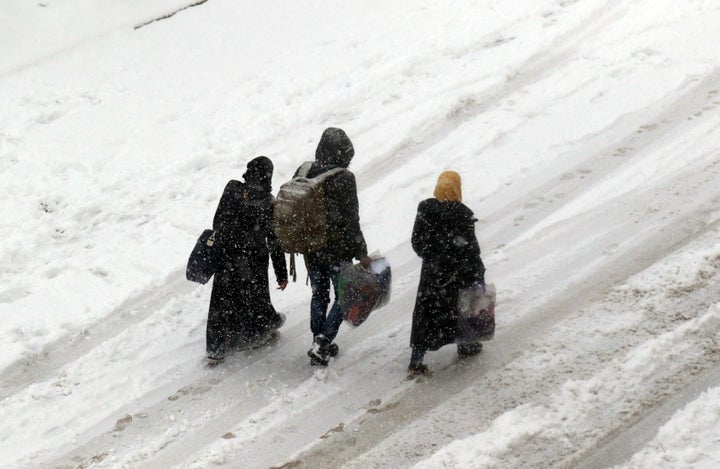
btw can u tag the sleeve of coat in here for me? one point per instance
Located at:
(360, 244)
(277, 255)
(475, 269)
(347, 209)
(223, 213)
(422, 239)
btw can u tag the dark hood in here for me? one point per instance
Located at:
(259, 172)
(335, 149)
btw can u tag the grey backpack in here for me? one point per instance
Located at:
(299, 214)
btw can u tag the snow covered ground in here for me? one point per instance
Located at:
(587, 133)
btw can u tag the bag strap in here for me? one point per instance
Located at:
(293, 269)
(304, 169)
(211, 240)
(329, 174)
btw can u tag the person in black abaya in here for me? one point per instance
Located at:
(444, 237)
(241, 313)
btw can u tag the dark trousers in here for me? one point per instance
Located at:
(323, 321)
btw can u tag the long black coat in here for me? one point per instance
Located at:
(444, 237)
(240, 306)
(345, 238)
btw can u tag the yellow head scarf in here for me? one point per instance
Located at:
(449, 187)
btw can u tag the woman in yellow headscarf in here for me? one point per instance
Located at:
(444, 237)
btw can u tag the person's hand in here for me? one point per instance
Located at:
(366, 261)
(282, 285)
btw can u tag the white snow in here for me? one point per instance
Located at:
(587, 134)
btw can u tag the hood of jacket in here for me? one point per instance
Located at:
(335, 149)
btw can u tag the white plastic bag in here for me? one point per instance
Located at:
(476, 313)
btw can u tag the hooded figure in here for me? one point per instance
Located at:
(345, 240)
(241, 312)
(444, 237)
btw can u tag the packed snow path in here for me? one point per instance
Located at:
(587, 133)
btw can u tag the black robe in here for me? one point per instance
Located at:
(240, 306)
(444, 237)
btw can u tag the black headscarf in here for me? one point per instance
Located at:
(259, 171)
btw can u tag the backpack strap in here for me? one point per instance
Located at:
(304, 169)
(331, 173)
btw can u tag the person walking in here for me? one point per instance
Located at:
(241, 313)
(345, 241)
(444, 237)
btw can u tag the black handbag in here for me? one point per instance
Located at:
(204, 258)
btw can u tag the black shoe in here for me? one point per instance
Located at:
(317, 357)
(468, 350)
(215, 359)
(278, 322)
(417, 369)
(319, 352)
(332, 350)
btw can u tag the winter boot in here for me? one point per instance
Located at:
(417, 369)
(319, 352)
(215, 359)
(278, 323)
(468, 350)
(333, 349)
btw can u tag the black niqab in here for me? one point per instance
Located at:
(259, 171)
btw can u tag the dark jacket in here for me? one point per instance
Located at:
(240, 306)
(345, 238)
(444, 237)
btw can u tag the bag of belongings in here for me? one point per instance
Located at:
(361, 291)
(476, 313)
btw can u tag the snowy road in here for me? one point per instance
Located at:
(588, 136)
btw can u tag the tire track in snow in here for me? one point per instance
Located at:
(536, 68)
(225, 417)
(665, 234)
(548, 314)
(171, 14)
(529, 385)
(202, 398)
(623, 443)
(670, 234)
(637, 255)
(625, 263)
(111, 29)
(214, 400)
(595, 159)
(134, 310)
(511, 224)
